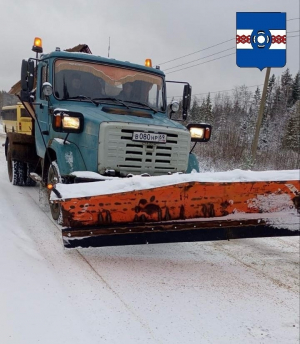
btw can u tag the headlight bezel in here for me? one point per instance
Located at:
(60, 119)
(206, 128)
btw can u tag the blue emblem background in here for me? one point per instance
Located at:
(260, 57)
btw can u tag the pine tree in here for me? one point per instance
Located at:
(245, 97)
(256, 98)
(249, 123)
(292, 134)
(277, 103)
(236, 104)
(202, 112)
(220, 111)
(286, 87)
(195, 111)
(271, 114)
(208, 111)
(296, 89)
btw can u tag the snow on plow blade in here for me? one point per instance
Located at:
(183, 212)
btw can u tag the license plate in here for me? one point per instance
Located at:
(149, 137)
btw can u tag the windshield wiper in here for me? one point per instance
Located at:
(82, 97)
(139, 103)
(113, 99)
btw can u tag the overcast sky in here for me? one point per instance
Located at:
(159, 29)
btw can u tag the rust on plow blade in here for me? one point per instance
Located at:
(180, 205)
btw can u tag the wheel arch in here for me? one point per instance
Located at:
(50, 156)
(193, 163)
(67, 155)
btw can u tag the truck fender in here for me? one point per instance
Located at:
(22, 147)
(193, 163)
(68, 156)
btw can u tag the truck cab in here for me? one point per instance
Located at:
(106, 116)
(97, 118)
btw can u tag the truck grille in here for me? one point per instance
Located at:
(117, 151)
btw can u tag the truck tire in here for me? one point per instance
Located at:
(53, 177)
(6, 146)
(16, 169)
(28, 181)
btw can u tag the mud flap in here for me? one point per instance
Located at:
(22, 148)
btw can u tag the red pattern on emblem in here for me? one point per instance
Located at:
(279, 39)
(242, 39)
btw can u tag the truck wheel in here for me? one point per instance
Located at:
(28, 180)
(16, 170)
(6, 146)
(17, 173)
(54, 177)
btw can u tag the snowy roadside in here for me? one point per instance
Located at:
(2, 133)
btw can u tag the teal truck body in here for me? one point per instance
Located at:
(101, 116)
(104, 142)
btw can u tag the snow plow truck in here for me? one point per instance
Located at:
(119, 170)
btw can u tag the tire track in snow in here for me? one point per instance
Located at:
(257, 270)
(92, 268)
(33, 193)
(283, 241)
(119, 297)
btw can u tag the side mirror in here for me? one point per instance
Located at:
(24, 68)
(186, 101)
(27, 78)
(30, 75)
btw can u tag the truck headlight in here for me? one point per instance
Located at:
(67, 122)
(199, 132)
(70, 123)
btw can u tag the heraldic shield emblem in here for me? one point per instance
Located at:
(260, 39)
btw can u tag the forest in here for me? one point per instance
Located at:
(233, 118)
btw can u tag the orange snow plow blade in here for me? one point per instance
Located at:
(190, 211)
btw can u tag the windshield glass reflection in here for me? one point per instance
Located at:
(95, 81)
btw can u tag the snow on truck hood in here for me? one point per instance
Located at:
(117, 185)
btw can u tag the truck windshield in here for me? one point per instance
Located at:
(96, 81)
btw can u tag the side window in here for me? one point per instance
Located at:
(14, 114)
(44, 78)
(24, 113)
(9, 115)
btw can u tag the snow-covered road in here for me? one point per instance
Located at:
(243, 291)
